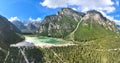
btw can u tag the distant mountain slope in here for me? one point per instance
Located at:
(93, 25)
(8, 35)
(4, 21)
(29, 27)
(19, 25)
(8, 32)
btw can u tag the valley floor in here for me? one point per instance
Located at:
(103, 50)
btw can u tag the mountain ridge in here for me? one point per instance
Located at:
(62, 24)
(27, 27)
(9, 34)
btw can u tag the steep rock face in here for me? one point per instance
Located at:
(95, 16)
(61, 24)
(71, 13)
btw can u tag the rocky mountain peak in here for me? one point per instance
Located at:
(94, 15)
(93, 12)
(69, 11)
(97, 17)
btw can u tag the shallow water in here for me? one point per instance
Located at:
(43, 40)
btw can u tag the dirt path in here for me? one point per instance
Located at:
(77, 26)
(71, 35)
(115, 49)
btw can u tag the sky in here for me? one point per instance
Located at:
(36, 10)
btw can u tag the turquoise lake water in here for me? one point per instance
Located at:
(45, 40)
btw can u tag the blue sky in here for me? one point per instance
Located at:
(24, 9)
(32, 10)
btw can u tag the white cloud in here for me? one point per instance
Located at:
(83, 5)
(31, 19)
(103, 6)
(109, 9)
(14, 19)
(90, 3)
(54, 3)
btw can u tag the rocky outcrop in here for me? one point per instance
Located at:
(97, 17)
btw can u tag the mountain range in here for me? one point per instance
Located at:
(27, 27)
(64, 22)
(78, 26)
